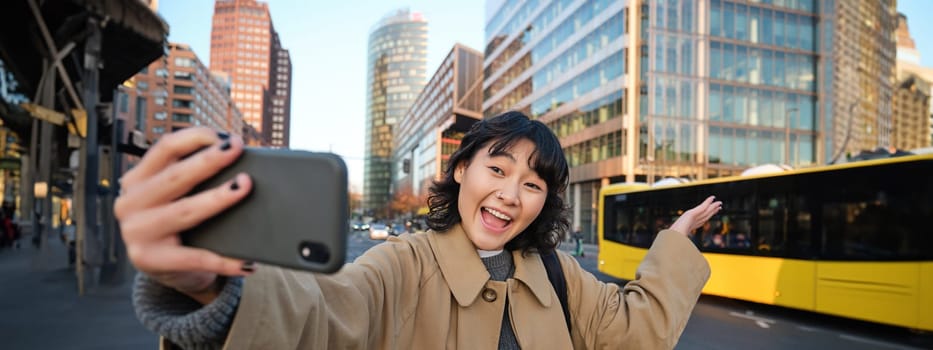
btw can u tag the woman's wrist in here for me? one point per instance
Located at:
(209, 294)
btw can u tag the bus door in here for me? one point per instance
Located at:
(784, 231)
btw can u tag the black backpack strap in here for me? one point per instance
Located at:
(556, 275)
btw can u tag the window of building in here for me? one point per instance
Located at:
(140, 113)
(180, 89)
(181, 117)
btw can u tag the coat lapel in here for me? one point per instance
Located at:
(460, 264)
(530, 270)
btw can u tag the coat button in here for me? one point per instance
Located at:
(489, 295)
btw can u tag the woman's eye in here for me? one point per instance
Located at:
(533, 186)
(497, 170)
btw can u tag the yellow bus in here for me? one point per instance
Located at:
(852, 240)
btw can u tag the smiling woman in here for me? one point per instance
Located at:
(507, 169)
(496, 218)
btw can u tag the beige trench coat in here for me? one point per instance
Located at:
(432, 291)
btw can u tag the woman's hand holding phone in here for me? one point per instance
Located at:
(153, 209)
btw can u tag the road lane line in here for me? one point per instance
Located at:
(760, 321)
(873, 342)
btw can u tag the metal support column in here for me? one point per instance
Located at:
(45, 167)
(115, 265)
(88, 170)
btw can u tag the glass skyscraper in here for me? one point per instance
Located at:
(396, 71)
(640, 90)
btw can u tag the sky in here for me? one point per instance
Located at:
(327, 41)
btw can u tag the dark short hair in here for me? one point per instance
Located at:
(548, 161)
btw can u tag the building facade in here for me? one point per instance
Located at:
(861, 55)
(909, 116)
(395, 75)
(906, 48)
(911, 123)
(641, 90)
(245, 46)
(278, 112)
(175, 92)
(431, 131)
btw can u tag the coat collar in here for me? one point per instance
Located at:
(466, 275)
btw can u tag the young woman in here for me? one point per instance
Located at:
(475, 281)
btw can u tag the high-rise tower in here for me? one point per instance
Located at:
(244, 45)
(396, 71)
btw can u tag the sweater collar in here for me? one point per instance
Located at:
(466, 275)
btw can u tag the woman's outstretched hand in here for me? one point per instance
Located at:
(154, 208)
(694, 218)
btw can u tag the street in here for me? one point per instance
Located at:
(40, 308)
(720, 323)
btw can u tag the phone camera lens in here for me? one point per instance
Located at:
(314, 252)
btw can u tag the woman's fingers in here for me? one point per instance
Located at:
(168, 150)
(185, 213)
(179, 178)
(167, 259)
(696, 216)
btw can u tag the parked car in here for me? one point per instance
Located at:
(378, 231)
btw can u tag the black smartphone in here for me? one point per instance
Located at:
(296, 215)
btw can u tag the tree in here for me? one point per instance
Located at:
(405, 202)
(356, 201)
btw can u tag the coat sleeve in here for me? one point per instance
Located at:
(359, 307)
(649, 312)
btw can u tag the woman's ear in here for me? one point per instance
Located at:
(458, 172)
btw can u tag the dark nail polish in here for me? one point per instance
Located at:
(225, 146)
(234, 186)
(222, 135)
(248, 266)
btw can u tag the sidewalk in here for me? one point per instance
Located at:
(40, 307)
(589, 250)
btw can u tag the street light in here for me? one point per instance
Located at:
(845, 141)
(787, 134)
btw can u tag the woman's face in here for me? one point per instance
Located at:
(500, 195)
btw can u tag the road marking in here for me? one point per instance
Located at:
(872, 342)
(760, 321)
(809, 329)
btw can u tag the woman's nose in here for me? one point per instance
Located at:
(508, 197)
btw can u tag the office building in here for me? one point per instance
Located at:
(175, 92)
(911, 120)
(245, 46)
(395, 75)
(431, 131)
(277, 113)
(638, 91)
(861, 56)
(906, 48)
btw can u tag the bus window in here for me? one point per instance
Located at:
(641, 235)
(772, 216)
(614, 220)
(739, 237)
(875, 218)
(800, 226)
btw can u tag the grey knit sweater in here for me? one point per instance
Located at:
(182, 320)
(190, 325)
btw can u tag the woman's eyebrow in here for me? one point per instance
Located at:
(503, 154)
